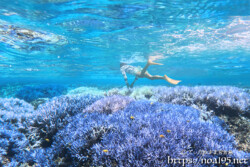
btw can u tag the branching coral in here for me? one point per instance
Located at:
(143, 134)
(15, 105)
(219, 98)
(138, 93)
(85, 91)
(109, 104)
(17, 112)
(53, 115)
(119, 131)
(207, 99)
(36, 157)
(11, 143)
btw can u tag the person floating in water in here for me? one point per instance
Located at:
(140, 72)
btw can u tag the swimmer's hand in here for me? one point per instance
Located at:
(172, 81)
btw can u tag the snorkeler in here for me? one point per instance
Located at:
(138, 72)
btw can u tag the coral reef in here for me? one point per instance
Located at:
(15, 105)
(240, 128)
(207, 99)
(121, 130)
(217, 98)
(138, 93)
(85, 91)
(143, 134)
(231, 104)
(36, 157)
(31, 93)
(211, 96)
(109, 104)
(53, 115)
(38, 101)
(16, 112)
(12, 143)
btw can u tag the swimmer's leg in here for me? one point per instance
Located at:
(153, 77)
(170, 80)
(150, 62)
(165, 77)
(126, 81)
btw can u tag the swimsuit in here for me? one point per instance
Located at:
(130, 70)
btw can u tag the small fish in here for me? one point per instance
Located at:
(131, 117)
(47, 140)
(168, 131)
(151, 103)
(105, 151)
(162, 136)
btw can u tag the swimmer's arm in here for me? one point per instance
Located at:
(125, 78)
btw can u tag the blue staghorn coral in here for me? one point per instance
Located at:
(38, 157)
(117, 130)
(208, 99)
(143, 134)
(109, 104)
(12, 143)
(39, 129)
(15, 105)
(213, 96)
(54, 114)
(16, 112)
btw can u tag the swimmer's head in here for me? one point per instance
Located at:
(122, 64)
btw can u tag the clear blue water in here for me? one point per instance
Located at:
(204, 42)
(63, 100)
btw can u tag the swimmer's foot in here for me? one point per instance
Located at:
(172, 81)
(150, 62)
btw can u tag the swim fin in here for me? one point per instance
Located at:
(172, 81)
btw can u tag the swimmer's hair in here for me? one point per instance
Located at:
(122, 64)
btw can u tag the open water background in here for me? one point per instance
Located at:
(204, 42)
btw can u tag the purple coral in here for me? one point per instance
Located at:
(15, 105)
(219, 98)
(52, 116)
(117, 130)
(143, 134)
(12, 143)
(109, 104)
(17, 112)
